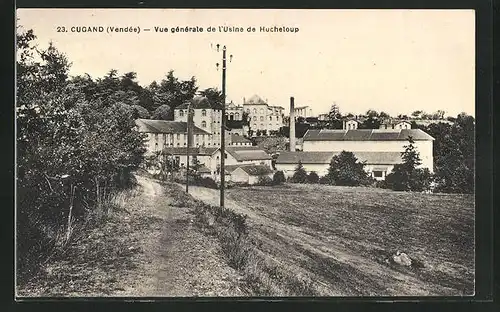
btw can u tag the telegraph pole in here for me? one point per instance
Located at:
(188, 128)
(223, 125)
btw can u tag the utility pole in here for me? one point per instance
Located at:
(188, 128)
(223, 124)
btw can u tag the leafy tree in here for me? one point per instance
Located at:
(140, 112)
(312, 177)
(214, 96)
(300, 174)
(372, 114)
(75, 139)
(279, 178)
(417, 114)
(163, 112)
(334, 117)
(264, 180)
(346, 170)
(406, 176)
(384, 115)
(370, 123)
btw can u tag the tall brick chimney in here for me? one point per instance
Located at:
(292, 124)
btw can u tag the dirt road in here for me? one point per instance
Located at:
(333, 263)
(177, 259)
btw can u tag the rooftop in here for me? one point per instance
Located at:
(248, 153)
(198, 102)
(165, 126)
(371, 158)
(250, 169)
(367, 135)
(255, 99)
(192, 150)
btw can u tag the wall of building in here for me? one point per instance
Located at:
(423, 147)
(289, 169)
(264, 117)
(206, 119)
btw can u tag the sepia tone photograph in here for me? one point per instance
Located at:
(244, 153)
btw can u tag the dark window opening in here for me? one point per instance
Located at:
(377, 174)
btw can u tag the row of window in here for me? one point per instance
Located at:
(262, 125)
(203, 112)
(262, 118)
(261, 111)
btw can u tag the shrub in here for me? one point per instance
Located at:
(300, 174)
(406, 176)
(313, 177)
(265, 180)
(279, 178)
(346, 170)
(325, 180)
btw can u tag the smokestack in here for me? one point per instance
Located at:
(292, 124)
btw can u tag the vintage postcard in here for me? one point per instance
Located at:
(245, 153)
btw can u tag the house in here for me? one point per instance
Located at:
(206, 116)
(350, 124)
(248, 174)
(312, 161)
(243, 155)
(370, 140)
(303, 111)
(395, 124)
(167, 133)
(263, 117)
(209, 158)
(377, 164)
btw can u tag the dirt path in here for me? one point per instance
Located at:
(176, 259)
(337, 270)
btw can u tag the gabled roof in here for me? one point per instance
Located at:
(165, 126)
(286, 157)
(366, 135)
(371, 158)
(247, 153)
(256, 170)
(250, 169)
(192, 150)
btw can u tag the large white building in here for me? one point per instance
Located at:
(380, 148)
(263, 117)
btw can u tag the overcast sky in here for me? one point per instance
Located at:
(395, 61)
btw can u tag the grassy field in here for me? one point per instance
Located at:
(342, 239)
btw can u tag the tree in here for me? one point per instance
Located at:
(417, 114)
(384, 115)
(312, 177)
(214, 96)
(300, 174)
(140, 112)
(334, 117)
(163, 112)
(279, 178)
(74, 141)
(346, 170)
(406, 176)
(372, 114)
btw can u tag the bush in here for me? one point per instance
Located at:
(325, 180)
(279, 178)
(300, 174)
(264, 180)
(312, 177)
(346, 170)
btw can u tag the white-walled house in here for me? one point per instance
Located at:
(370, 140)
(377, 164)
(167, 133)
(248, 174)
(245, 155)
(395, 124)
